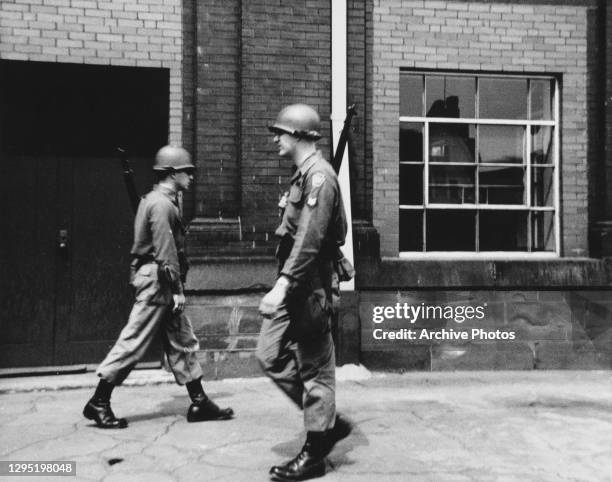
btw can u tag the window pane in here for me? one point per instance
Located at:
(502, 98)
(411, 95)
(450, 96)
(503, 230)
(451, 184)
(501, 144)
(542, 145)
(451, 142)
(411, 184)
(501, 185)
(543, 231)
(542, 187)
(542, 99)
(411, 230)
(411, 142)
(451, 230)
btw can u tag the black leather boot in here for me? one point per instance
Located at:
(308, 464)
(204, 409)
(342, 429)
(100, 411)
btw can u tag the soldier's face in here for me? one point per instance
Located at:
(286, 144)
(183, 179)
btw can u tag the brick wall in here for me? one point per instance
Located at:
(285, 59)
(147, 33)
(498, 37)
(217, 107)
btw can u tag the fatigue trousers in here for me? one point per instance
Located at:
(151, 312)
(304, 370)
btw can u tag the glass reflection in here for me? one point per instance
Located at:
(541, 99)
(411, 184)
(411, 142)
(452, 184)
(410, 230)
(501, 144)
(542, 186)
(451, 230)
(411, 95)
(542, 145)
(543, 231)
(458, 90)
(503, 230)
(502, 98)
(501, 185)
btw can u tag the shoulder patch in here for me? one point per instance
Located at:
(318, 179)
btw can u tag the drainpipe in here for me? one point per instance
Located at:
(338, 114)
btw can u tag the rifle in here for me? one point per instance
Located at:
(128, 177)
(337, 161)
(344, 268)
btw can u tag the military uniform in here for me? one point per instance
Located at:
(295, 346)
(158, 270)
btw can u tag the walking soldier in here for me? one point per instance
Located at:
(295, 347)
(158, 268)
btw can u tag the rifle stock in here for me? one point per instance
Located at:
(128, 177)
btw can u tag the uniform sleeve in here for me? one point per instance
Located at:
(164, 245)
(319, 198)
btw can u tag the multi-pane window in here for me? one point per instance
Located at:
(478, 163)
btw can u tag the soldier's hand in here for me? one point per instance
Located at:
(271, 302)
(179, 303)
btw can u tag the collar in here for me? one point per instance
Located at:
(168, 191)
(306, 165)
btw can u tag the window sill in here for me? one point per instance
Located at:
(483, 273)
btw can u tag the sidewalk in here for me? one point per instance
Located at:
(449, 426)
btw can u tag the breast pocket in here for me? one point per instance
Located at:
(295, 194)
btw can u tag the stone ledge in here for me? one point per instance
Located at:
(396, 273)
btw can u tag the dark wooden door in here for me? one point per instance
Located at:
(65, 258)
(28, 260)
(94, 297)
(66, 221)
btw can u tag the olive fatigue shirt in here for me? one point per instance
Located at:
(159, 234)
(314, 217)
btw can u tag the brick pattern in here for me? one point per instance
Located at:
(356, 93)
(497, 37)
(146, 33)
(285, 59)
(218, 108)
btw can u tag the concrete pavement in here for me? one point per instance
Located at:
(448, 426)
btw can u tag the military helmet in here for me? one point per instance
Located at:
(299, 120)
(173, 158)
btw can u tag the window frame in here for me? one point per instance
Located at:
(554, 123)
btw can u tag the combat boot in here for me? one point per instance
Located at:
(342, 429)
(308, 464)
(100, 411)
(203, 409)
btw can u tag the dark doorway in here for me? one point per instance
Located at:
(67, 221)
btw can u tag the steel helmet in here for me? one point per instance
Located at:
(299, 120)
(172, 158)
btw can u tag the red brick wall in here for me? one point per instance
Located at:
(475, 36)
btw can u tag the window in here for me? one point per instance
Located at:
(478, 164)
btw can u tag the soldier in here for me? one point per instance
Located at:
(295, 347)
(158, 269)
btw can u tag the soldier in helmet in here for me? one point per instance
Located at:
(295, 347)
(158, 272)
